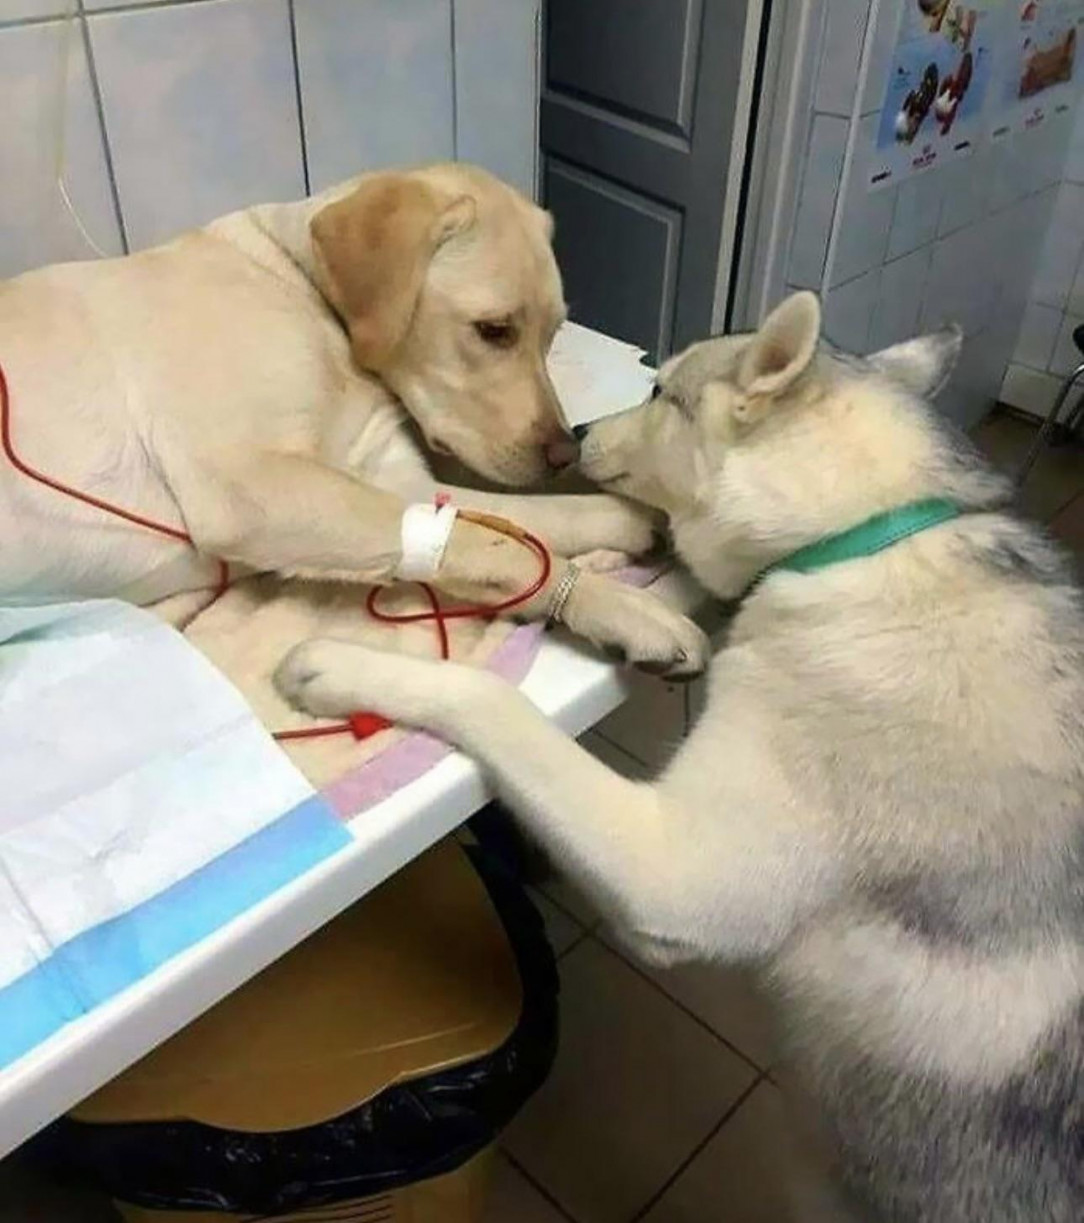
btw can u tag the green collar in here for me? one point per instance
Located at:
(874, 535)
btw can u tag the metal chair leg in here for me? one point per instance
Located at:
(1047, 426)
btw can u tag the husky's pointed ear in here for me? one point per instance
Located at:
(922, 365)
(780, 351)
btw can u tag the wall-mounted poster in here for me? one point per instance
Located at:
(1036, 77)
(941, 68)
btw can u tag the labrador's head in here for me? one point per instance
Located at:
(446, 281)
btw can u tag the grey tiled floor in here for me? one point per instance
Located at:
(659, 1100)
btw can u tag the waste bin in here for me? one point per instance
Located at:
(364, 1076)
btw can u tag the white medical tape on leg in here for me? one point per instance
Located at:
(424, 534)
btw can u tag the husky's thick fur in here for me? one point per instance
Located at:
(883, 801)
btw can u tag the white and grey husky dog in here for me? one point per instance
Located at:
(883, 802)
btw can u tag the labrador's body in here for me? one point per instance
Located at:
(883, 801)
(262, 384)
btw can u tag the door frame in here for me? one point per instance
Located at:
(784, 113)
(739, 186)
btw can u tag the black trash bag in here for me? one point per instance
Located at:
(498, 830)
(408, 1133)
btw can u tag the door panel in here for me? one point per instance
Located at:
(638, 115)
(619, 251)
(640, 58)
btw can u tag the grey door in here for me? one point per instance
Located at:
(638, 112)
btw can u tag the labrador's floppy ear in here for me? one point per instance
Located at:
(779, 352)
(923, 365)
(372, 251)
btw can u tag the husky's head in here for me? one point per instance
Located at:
(757, 444)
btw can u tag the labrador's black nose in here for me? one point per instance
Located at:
(579, 432)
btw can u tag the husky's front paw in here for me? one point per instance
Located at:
(635, 626)
(603, 560)
(331, 679)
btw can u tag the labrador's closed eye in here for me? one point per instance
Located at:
(501, 333)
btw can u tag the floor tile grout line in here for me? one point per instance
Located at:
(582, 937)
(681, 1006)
(590, 927)
(676, 1175)
(539, 1187)
(1068, 505)
(643, 764)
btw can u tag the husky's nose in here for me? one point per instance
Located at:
(579, 432)
(561, 453)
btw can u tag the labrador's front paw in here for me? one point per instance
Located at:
(635, 626)
(615, 525)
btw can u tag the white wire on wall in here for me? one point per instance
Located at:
(60, 146)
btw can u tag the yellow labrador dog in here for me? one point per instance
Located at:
(262, 383)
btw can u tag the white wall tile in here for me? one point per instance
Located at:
(917, 213)
(22, 10)
(848, 312)
(882, 46)
(1029, 162)
(376, 84)
(992, 353)
(1074, 164)
(864, 219)
(1014, 237)
(976, 381)
(816, 208)
(1076, 293)
(1062, 247)
(841, 55)
(34, 226)
(1029, 389)
(1052, 148)
(1038, 335)
(1004, 326)
(1006, 319)
(962, 285)
(201, 111)
(899, 304)
(1066, 354)
(504, 32)
(965, 188)
(101, 5)
(1009, 181)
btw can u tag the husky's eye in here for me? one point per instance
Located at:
(656, 391)
(501, 333)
